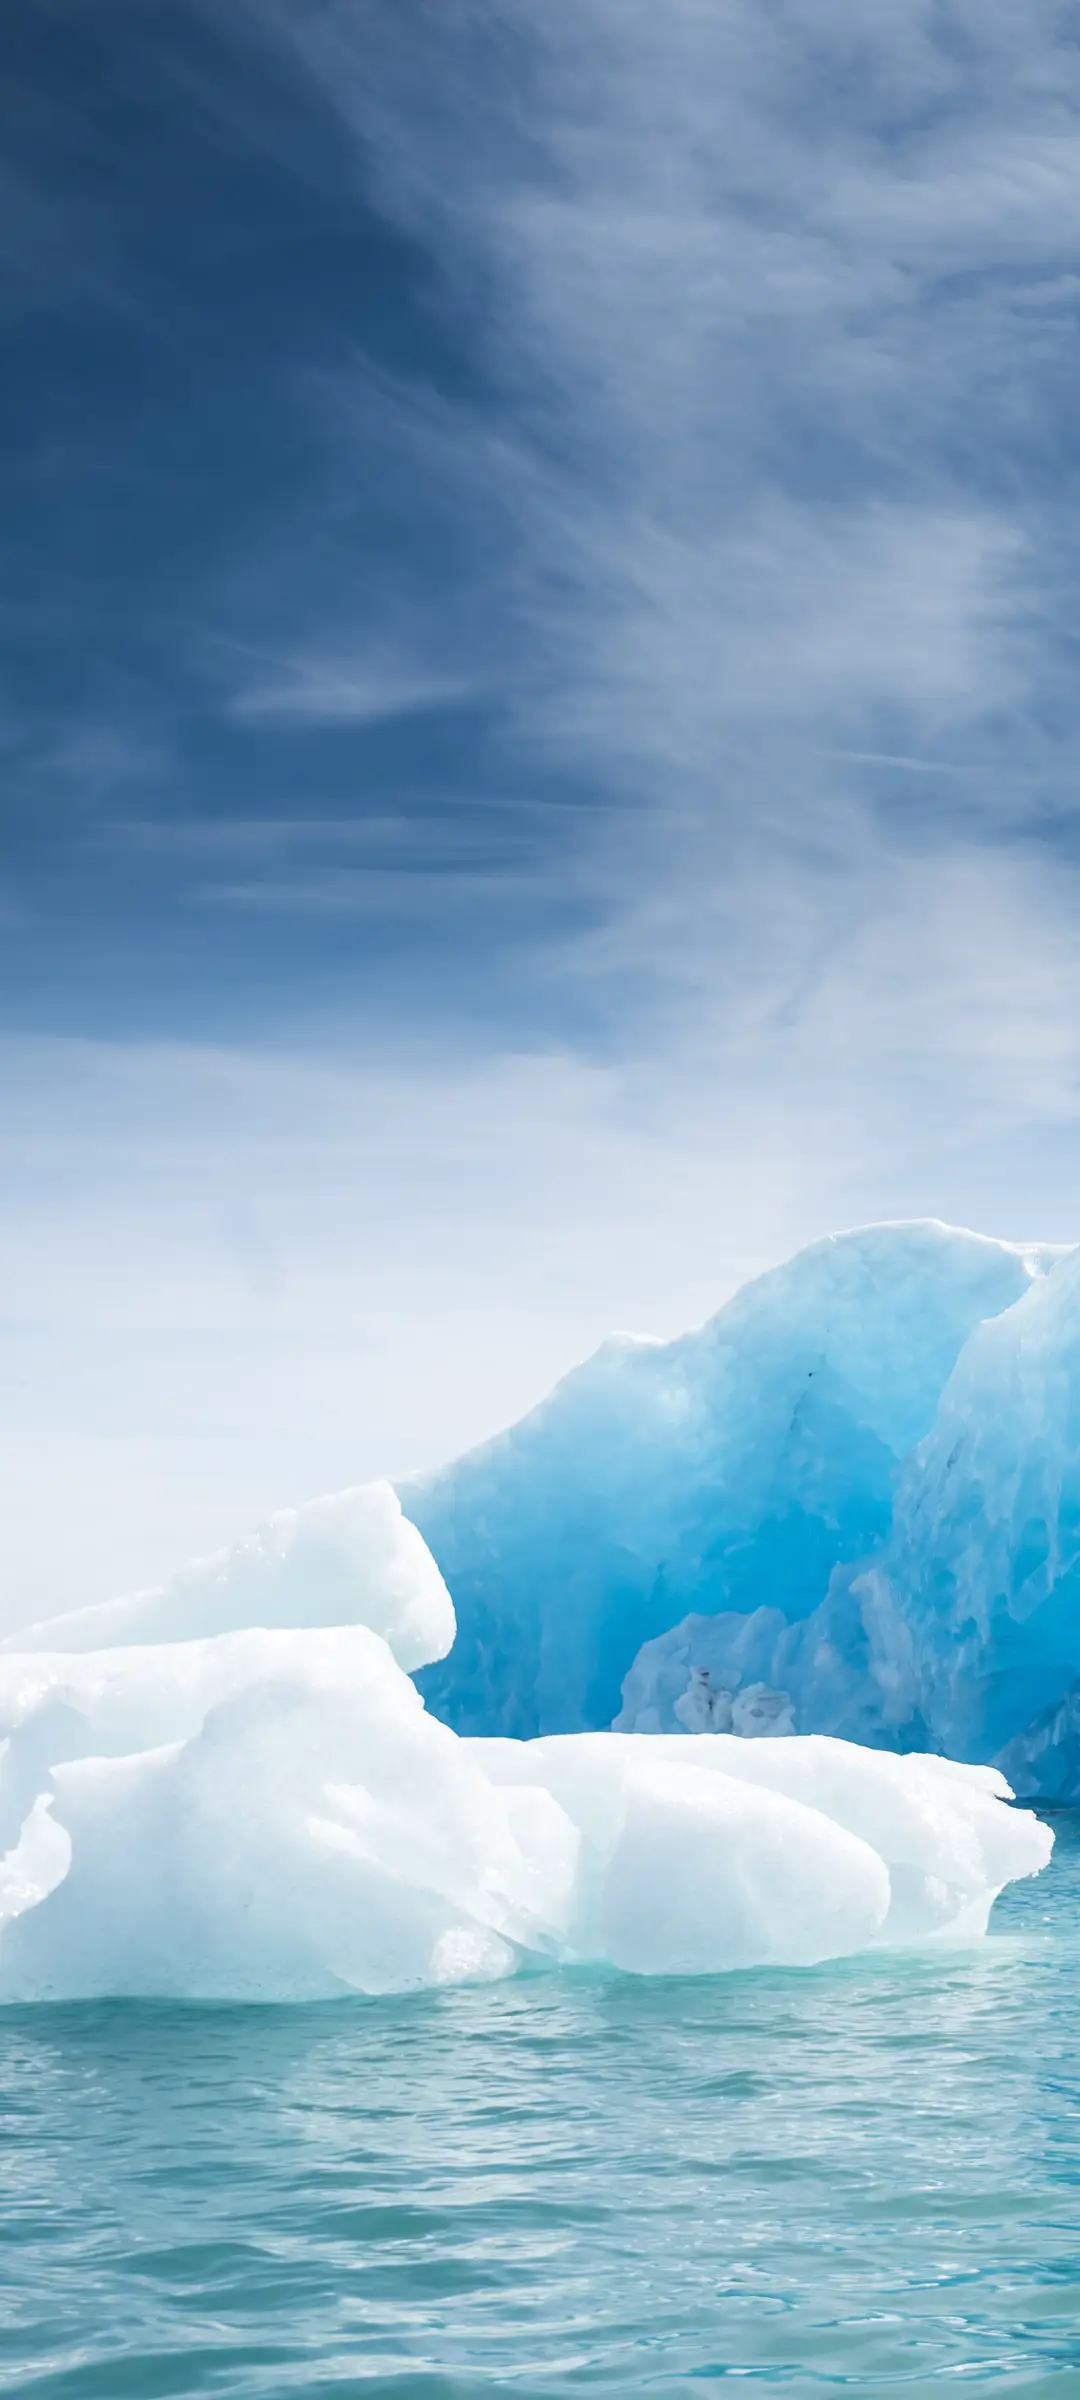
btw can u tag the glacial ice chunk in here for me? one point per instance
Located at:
(704, 1707)
(230, 1787)
(961, 1634)
(275, 1815)
(728, 1472)
(313, 1831)
(349, 1559)
(760, 1710)
(975, 1618)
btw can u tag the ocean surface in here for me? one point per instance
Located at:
(864, 2178)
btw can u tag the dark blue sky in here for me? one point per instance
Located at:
(426, 429)
(538, 699)
(254, 776)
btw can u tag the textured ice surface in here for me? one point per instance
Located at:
(729, 1471)
(961, 1631)
(850, 1507)
(276, 1816)
(272, 1813)
(976, 1603)
(350, 1559)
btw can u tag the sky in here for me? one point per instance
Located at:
(538, 705)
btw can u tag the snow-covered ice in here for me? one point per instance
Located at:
(272, 1813)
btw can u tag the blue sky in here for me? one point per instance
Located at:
(538, 704)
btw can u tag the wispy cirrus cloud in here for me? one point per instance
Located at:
(335, 689)
(771, 319)
(731, 280)
(696, 438)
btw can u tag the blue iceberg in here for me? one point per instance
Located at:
(961, 1632)
(777, 1523)
(981, 1578)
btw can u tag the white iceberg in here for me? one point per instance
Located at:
(349, 1559)
(270, 1812)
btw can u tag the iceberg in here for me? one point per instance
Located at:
(820, 1562)
(960, 1632)
(195, 1806)
(709, 1494)
(975, 1604)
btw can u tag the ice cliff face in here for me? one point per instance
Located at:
(737, 1525)
(980, 1582)
(961, 1632)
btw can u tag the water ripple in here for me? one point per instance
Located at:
(865, 2178)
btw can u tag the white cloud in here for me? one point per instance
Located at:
(732, 276)
(822, 622)
(339, 690)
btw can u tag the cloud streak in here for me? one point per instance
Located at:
(739, 286)
(350, 691)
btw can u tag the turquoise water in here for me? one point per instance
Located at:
(865, 2178)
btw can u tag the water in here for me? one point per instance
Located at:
(866, 2178)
